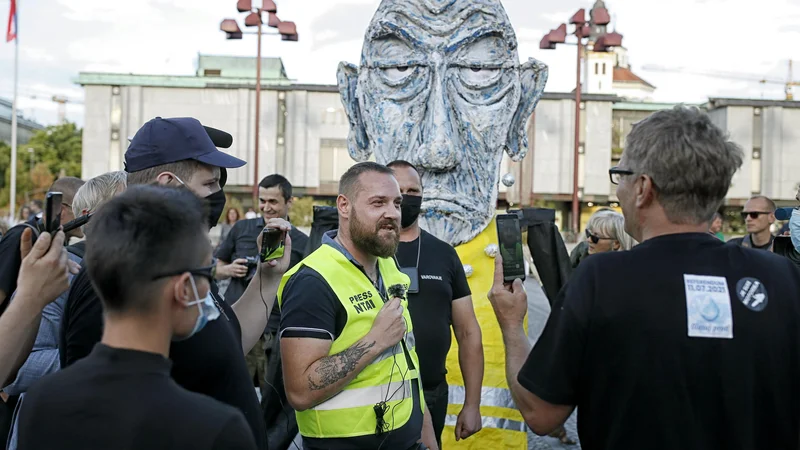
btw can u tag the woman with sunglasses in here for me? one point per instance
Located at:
(605, 232)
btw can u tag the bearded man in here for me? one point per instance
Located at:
(440, 85)
(349, 362)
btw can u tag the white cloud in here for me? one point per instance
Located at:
(165, 36)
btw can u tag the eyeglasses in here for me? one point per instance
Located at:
(595, 238)
(753, 214)
(205, 272)
(616, 174)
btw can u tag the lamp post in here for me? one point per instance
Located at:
(604, 42)
(286, 30)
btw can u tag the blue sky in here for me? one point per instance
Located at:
(59, 38)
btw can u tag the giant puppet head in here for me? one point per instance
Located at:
(440, 85)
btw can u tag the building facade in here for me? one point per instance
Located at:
(303, 133)
(25, 128)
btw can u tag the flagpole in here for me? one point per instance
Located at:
(13, 201)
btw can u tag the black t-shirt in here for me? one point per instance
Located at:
(747, 241)
(241, 243)
(11, 260)
(211, 362)
(312, 310)
(125, 399)
(681, 343)
(441, 280)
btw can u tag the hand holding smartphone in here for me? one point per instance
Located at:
(52, 212)
(272, 244)
(509, 237)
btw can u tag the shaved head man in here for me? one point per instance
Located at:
(440, 85)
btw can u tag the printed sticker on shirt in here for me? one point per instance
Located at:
(752, 293)
(708, 307)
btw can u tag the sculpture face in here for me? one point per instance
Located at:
(440, 85)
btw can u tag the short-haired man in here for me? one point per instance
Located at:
(180, 152)
(44, 359)
(439, 297)
(758, 215)
(9, 246)
(274, 200)
(698, 347)
(150, 260)
(349, 361)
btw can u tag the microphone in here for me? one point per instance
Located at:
(397, 290)
(783, 213)
(80, 221)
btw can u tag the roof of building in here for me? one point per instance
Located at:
(646, 106)
(239, 67)
(625, 75)
(177, 81)
(714, 103)
(6, 107)
(212, 71)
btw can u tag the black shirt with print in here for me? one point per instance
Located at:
(624, 342)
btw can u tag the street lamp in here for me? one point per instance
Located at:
(286, 30)
(603, 43)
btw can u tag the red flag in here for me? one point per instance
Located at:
(12, 21)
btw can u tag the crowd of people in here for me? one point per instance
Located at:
(664, 336)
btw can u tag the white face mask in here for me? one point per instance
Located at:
(794, 229)
(207, 312)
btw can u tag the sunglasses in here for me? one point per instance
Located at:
(595, 238)
(205, 272)
(753, 214)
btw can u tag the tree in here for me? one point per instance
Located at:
(55, 149)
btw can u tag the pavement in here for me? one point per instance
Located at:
(538, 312)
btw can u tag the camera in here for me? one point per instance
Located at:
(252, 265)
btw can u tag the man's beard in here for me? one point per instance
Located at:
(370, 240)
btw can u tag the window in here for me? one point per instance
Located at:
(212, 72)
(334, 160)
(596, 68)
(604, 68)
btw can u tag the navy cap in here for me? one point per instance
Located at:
(784, 213)
(163, 141)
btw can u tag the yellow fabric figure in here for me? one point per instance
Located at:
(503, 426)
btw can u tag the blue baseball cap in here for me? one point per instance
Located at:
(163, 141)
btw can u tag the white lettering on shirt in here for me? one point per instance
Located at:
(708, 307)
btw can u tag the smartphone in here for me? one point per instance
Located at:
(52, 212)
(509, 237)
(272, 240)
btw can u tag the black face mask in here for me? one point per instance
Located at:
(216, 205)
(410, 209)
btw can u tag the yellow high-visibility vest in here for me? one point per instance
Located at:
(387, 379)
(503, 425)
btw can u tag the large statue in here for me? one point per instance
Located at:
(440, 85)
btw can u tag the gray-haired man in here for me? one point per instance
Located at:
(682, 342)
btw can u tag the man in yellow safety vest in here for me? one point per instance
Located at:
(347, 342)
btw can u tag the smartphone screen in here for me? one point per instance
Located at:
(52, 212)
(272, 244)
(509, 238)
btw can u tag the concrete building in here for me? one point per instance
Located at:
(25, 128)
(304, 130)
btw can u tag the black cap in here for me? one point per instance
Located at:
(163, 141)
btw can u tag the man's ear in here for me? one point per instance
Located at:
(165, 178)
(182, 290)
(357, 140)
(343, 206)
(533, 78)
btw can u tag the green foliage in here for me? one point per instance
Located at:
(302, 212)
(56, 152)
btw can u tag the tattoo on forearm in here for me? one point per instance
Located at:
(336, 367)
